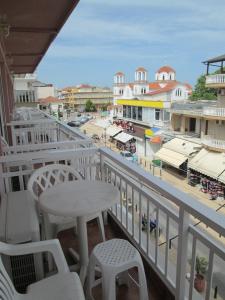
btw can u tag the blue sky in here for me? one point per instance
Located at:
(102, 37)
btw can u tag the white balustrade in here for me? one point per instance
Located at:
(184, 228)
(16, 169)
(213, 143)
(44, 130)
(214, 111)
(215, 79)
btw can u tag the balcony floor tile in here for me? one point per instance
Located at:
(157, 290)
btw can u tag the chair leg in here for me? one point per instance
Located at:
(49, 234)
(108, 286)
(101, 226)
(143, 290)
(123, 278)
(90, 278)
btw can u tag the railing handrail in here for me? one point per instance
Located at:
(56, 154)
(31, 122)
(73, 131)
(189, 204)
(45, 146)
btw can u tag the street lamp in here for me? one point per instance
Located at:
(105, 136)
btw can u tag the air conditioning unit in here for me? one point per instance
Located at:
(23, 269)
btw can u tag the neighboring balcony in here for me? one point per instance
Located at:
(215, 81)
(214, 143)
(185, 228)
(214, 111)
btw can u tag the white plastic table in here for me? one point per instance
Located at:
(79, 199)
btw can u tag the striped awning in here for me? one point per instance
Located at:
(113, 130)
(123, 137)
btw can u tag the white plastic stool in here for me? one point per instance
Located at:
(113, 257)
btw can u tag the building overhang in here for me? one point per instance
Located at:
(30, 26)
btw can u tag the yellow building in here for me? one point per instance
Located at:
(76, 96)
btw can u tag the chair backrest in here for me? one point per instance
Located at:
(7, 290)
(49, 176)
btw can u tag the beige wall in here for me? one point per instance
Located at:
(216, 130)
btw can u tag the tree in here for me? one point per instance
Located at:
(89, 106)
(104, 107)
(201, 92)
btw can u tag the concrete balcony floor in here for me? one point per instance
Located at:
(157, 290)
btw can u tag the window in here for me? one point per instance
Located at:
(129, 112)
(124, 111)
(157, 114)
(134, 112)
(166, 116)
(140, 113)
(121, 92)
(143, 90)
(178, 92)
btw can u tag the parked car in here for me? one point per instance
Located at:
(89, 117)
(74, 123)
(127, 154)
(83, 119)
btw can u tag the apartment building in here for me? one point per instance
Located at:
(28, 89)
(75, 97)
(204, 119)
(202, 122)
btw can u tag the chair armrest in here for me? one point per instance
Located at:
(52, 246)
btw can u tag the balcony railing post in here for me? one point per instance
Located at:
(13, 135)
(182, 254)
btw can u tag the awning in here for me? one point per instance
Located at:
(172, 158)
(156, 139)
(183, 146)
(123, 137)
(222, 177)
(151, 131)
(177, 151)
(209, 163)
(113, 130)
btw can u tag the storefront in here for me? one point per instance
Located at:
(125, 141)
(177, 152)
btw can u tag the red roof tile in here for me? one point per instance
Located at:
(84, 86)
(166, 69)
(188, 86)
(169, 87)
(49, 99)
(119, 73)
(154, 85)
(141, 69)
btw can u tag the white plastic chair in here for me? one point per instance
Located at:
(47, 177)
(112, 258)
(64, 285)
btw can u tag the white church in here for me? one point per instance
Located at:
(146, 104)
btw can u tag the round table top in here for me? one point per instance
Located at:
(79, 198)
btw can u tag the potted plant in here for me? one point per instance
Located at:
(201, 266)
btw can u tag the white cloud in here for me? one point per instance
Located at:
(102, 52)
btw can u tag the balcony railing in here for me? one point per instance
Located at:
(217, 80)
(42, 130)
(213, 143)
(185, 228)
(214, 111)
